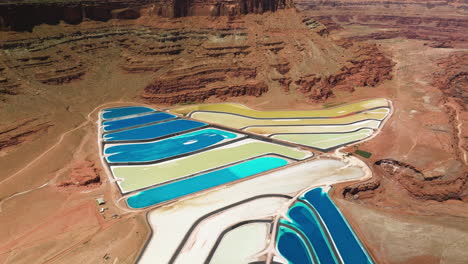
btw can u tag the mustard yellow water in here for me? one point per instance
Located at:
(325, 141)
(241, 122)
(245, 111)
(268, 130)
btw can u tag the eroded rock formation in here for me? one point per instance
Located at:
(412, 19)
(445, 186)
(18, 15)
(452, 80)
(198, 58)
(369, 68)
(21, 131)
(453, 77)
(83, 173)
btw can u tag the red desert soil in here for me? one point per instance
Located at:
(54, 78)
(419, 190)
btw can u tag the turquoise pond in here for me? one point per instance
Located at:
(166, 148)
(318, 232)
(124, 111)
(136, 121)
(154, 131)
(174, 190)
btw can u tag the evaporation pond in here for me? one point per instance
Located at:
(205, 181)
(170, 147)
(124, 111)
(136, 121)
(154, 131)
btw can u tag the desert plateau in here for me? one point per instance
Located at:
(234, 131)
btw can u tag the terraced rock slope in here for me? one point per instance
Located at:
(61, 62)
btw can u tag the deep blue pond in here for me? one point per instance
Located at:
(125, 111)
(136, 121)
(169, 147)
(345, 240)
(303, 219)
(202, 182)
(292, 247)
(154, 131)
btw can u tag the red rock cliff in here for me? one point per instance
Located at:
(20, 16)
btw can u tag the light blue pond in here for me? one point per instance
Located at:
(305, 220)
(154, 131)
(292, 247)
(136, 121)
(202, 182)
(124, 111)
(345, 240)
(170, 147)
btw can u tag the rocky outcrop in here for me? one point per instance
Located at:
(369, 4)
(432, 21)
(452, 80)
(227, 8)
(83, 173)
(439, 187)
(24, 16)
(21, 16)
(199, 82)
(370, 68)
(442, 187)
(198, 58)
(49, 66)
(8, 86)
(21, 131)
(251, 88)
(363, 190)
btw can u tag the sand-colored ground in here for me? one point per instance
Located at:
(422, 239)
(247, 239)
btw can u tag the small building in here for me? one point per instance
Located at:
(100, 201)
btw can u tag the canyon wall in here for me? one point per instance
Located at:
(442, 23)
(380, 5)
(23, 16)
(197, 58)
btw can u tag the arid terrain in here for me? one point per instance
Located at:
(61, 62)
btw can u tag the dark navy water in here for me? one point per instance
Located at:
(346, 242)
(303, 219)
(202, 182)
(154, 131)
(136, 121)
(125, 111)
(292, 247)
(169, 147)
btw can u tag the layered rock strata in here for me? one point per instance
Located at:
(442, 23)
(198, 58)
(21, 131)
(442, 187)
(19, 15)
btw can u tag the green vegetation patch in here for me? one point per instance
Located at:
(363, 153)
